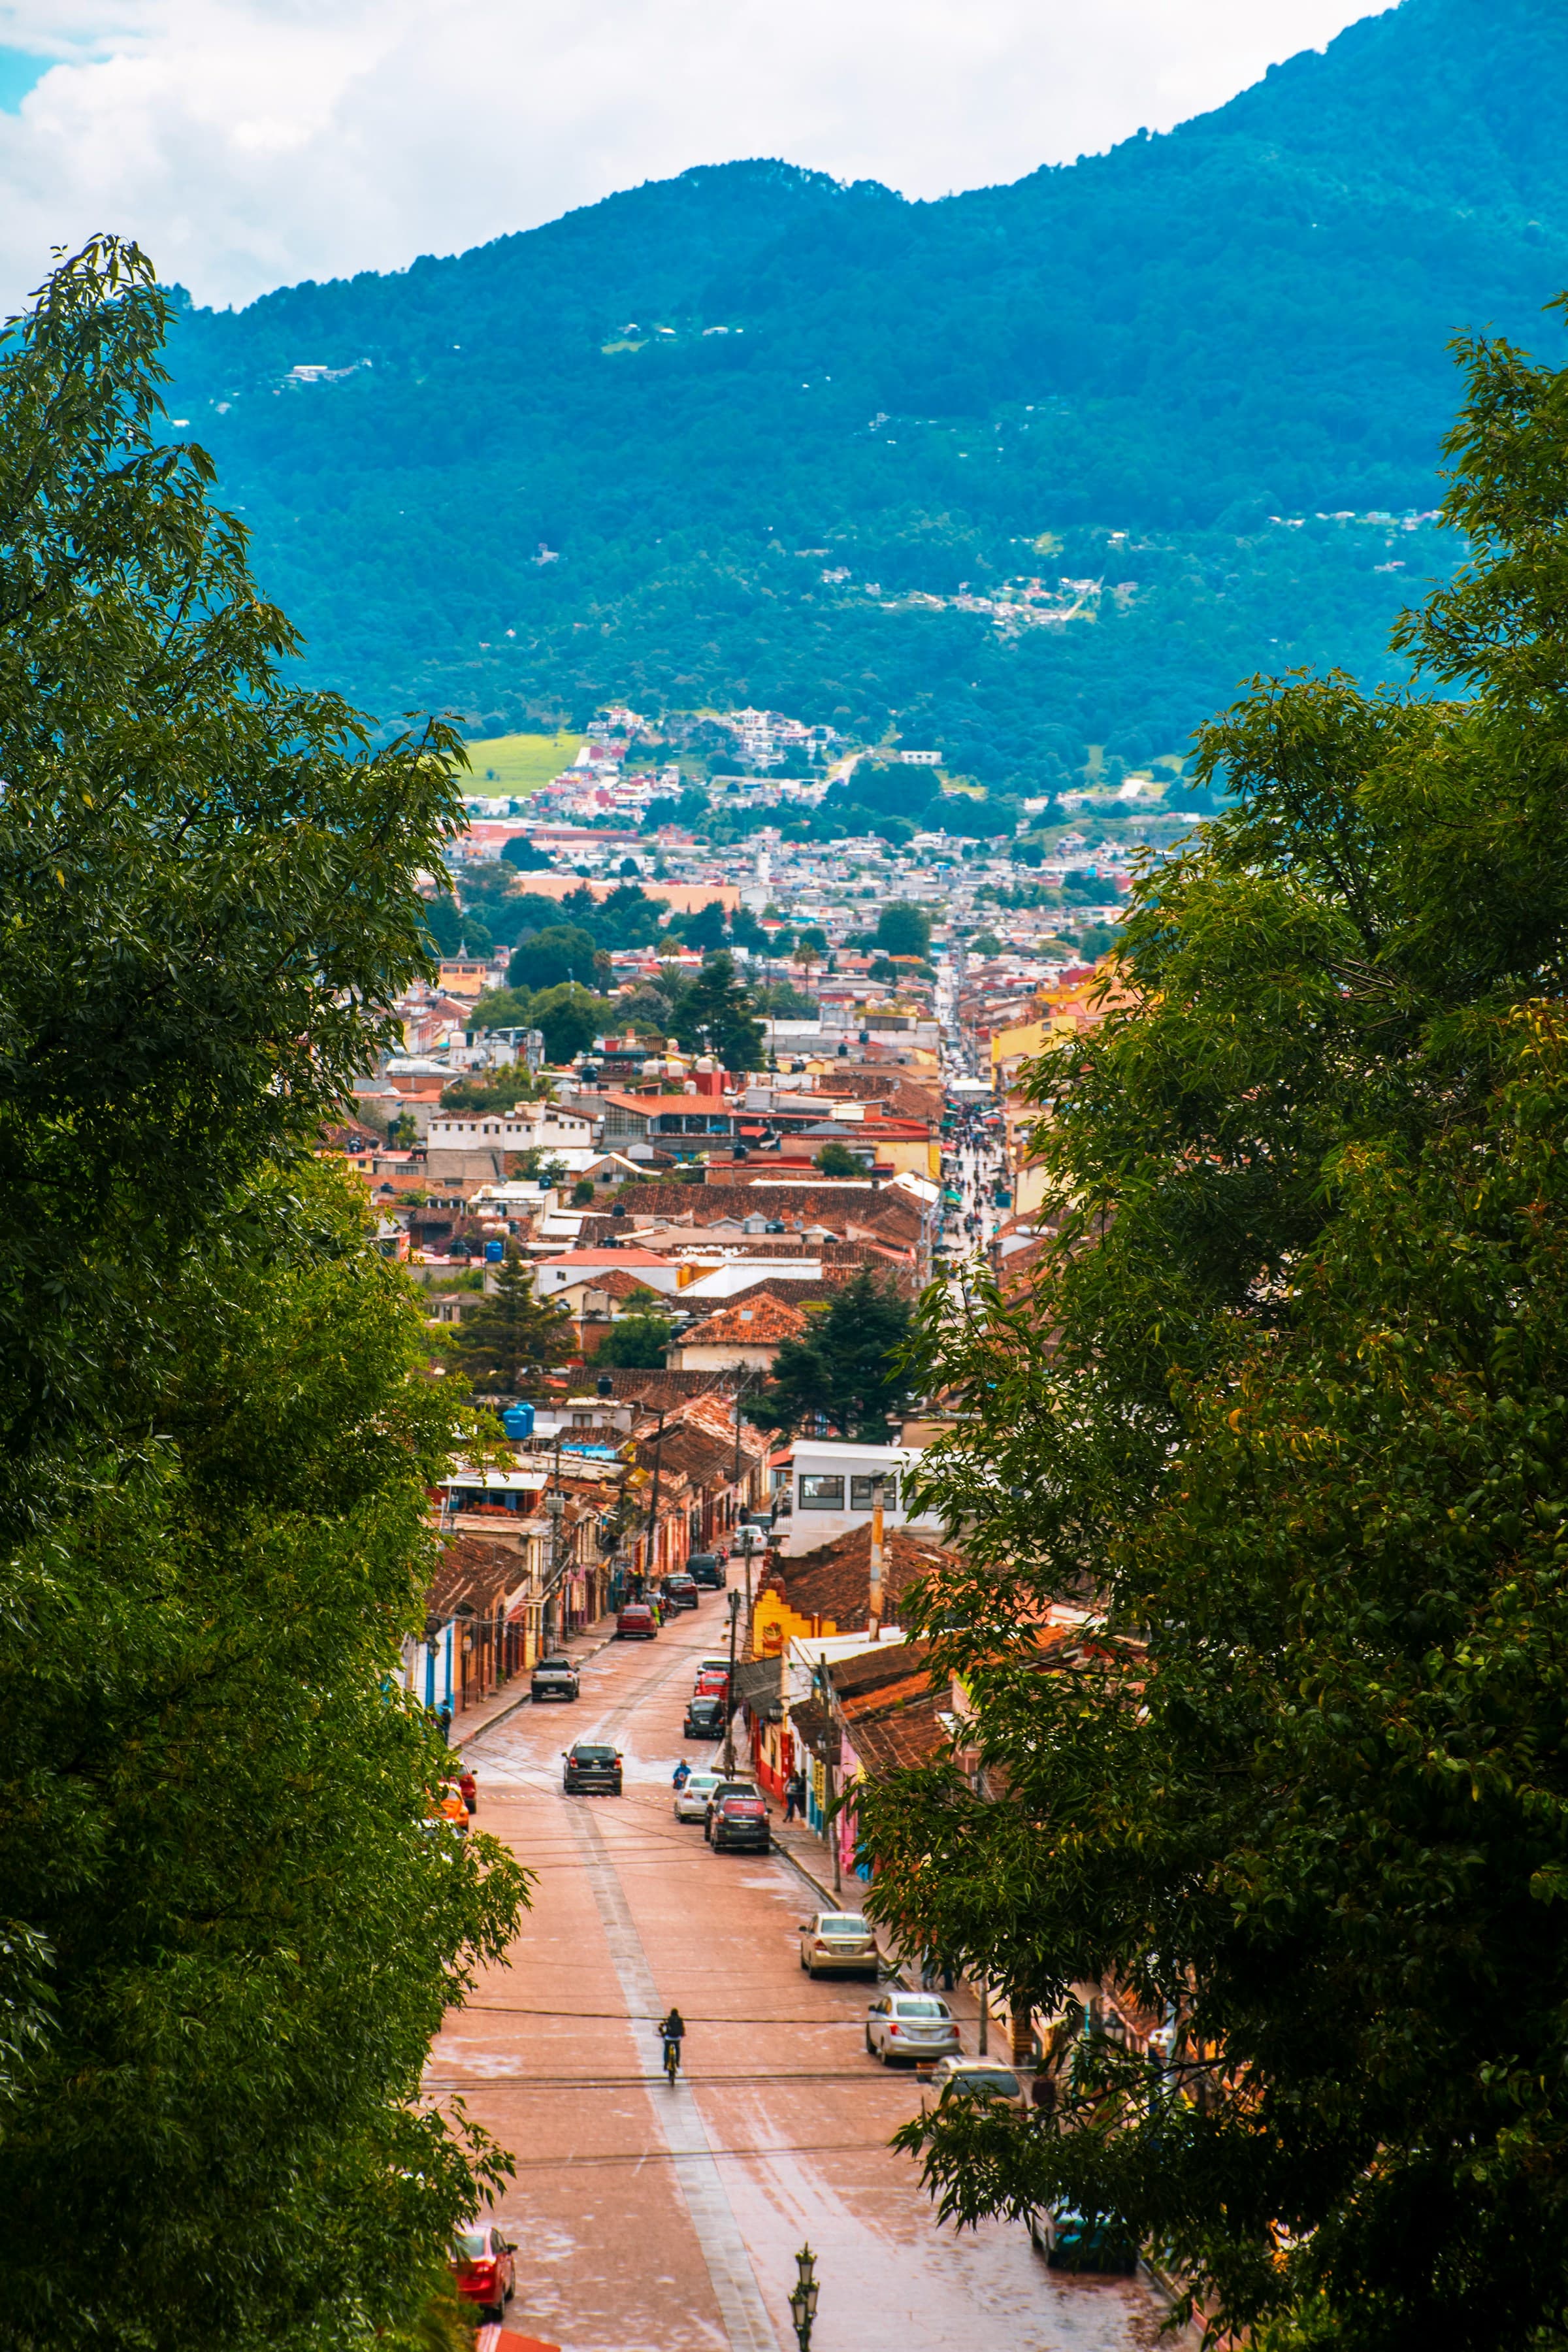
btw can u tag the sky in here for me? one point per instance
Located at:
(250, 143)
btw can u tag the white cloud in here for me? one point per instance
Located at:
(247, 145)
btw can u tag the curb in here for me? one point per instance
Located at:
(891, 1970)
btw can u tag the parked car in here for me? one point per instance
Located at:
(1069, 2242)
(637, 1622)
(484, 2269)
(705, 1717)
(740, 1825)
(839, 1944)
(734, 1786)
(713, 1666)
(711, 1686)
(691, 1802)
(911, 2025)
(680, 1592)
(554, 1678)
(971, 2078)
(591, 1764)
(707, 1569)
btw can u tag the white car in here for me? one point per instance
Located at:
(691, 1802)
(971, 2078)
(912, 2025)
(839, 1943)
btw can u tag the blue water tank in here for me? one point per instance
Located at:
(494, 1253)
(518, 1422)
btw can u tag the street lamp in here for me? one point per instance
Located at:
(803, 2301)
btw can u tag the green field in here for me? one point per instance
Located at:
(519, 763)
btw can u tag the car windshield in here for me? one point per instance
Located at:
(842, 1923)
(469, 2245)
(915, 2007)
(986, 2078)
(703, 1780)
(564, 1662)
(595, 1755)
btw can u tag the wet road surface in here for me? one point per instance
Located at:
(653, 2217)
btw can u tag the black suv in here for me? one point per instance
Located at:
(591, 1765)
(705, 1568)
(553, 1679)
(738, 1824)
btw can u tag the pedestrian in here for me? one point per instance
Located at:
(795, 1796)
(469, 1788)
(443, 1718)
(928, 1972)
(681, 1774)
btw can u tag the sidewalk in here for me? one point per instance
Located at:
(497, 1706)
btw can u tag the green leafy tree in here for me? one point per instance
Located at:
(714, 1015)
(1299, 1787)
(637, 1343)
(513, 1336)
(217, 1441)
(848, 1367)
(563, 953)
(903, 929)
(838, 1160)
(569, 1019)
(522, 852)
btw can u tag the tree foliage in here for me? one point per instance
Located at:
(848, 1367)
(512, 1336)
(1296, 1442)
(637, 1341)
(228, 1935)
(713, 1015)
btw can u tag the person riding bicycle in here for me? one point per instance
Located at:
(672, 2032)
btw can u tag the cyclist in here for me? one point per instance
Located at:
(672, 2032)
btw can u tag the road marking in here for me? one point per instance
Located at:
(734, 2282)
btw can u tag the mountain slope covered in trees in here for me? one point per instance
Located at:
(748, 434)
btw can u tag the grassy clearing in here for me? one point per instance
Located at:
(519, 763)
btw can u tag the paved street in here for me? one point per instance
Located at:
(653, 2219)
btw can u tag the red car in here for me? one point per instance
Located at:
(636, 1623)
(484, 2268)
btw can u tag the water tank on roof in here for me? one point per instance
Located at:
(604, 1385)
(518, 1422)
(494, 1253)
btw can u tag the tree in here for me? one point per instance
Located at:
(218, 1442)
(703, 930)
(512, 1336)
(848, 1367)
(1299, 1785)
(838, 1160)
(637, 1343)
(568, 1019)
(563, 952)
(714, 1015)
(522, 852)
(903, 929)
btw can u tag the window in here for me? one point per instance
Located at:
(862, 1495)
(821, 1494)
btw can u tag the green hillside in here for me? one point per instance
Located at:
(518, 763)
(749, 434)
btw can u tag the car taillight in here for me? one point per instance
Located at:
(483, 2274)
(892, 2029)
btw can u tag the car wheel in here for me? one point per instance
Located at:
(810, 1967)
(870, 2045)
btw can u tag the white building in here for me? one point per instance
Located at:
(833, 1488)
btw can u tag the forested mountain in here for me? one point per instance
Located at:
(707, 440)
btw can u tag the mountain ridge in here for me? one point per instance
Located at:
(1245, 316)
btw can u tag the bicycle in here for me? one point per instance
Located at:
(671, 2056)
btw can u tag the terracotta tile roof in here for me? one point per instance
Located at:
(907, 1734)
(477, 1573)
(835, 1581)
(667, 1391)
(762, 1322)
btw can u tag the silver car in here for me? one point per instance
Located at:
(691, 1802)
(839, 1944)
(971, 2078)
(911, 2025)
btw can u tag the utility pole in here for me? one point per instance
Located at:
(874, 1608)
(729, 1694)
(832, 1779)
(653, 1499)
